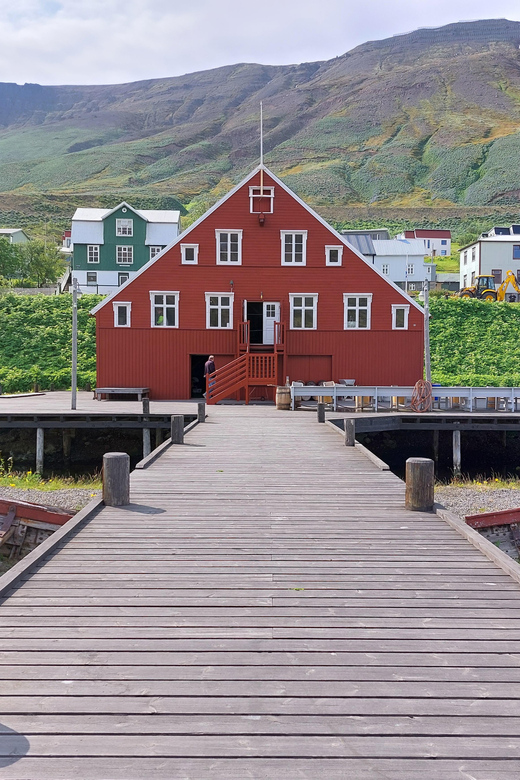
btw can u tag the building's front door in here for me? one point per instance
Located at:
(271, 315)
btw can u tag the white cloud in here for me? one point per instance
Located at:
(104, 41)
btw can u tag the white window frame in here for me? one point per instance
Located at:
(385, 269)
(339, 249)
(219, 233)
(92, 253)
(358, 308)
(122, 304)
(395, 308)
(219, 306)
(153, 305)
(410, 269)
(154, 251)
(261, 192)
(124, 249)
(303, 233)
(292, 307)
(120, 274)
(124, 227)
(195, 248)
(94, 283)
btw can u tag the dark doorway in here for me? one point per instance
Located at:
(198, 382)
(255, 315)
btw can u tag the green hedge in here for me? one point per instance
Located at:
(36, 338)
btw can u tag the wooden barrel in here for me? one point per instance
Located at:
(283, 398)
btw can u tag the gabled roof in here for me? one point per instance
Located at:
(397, 246)
(149, 215)
(11, 231)
(363, 244)
(427, 233)
(182, 237)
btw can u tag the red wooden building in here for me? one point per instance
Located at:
(264, 284)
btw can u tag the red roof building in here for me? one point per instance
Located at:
(436, 242)
(263, 280)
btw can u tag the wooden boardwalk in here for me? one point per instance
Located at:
(264, 609)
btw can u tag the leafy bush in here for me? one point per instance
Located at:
(35, 341)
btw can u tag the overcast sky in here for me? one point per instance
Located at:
(116, 41)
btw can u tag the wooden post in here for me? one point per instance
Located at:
(147, 443)
(177, 429)
(158, 437)
(67, 443)
(456, 453)
(419, 484)
(146, 406)
(39, 450)
(321, 412)
(436, 446)
(116, 478)
(201, 411)
(350, 432)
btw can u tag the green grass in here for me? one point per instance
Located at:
(30, 481)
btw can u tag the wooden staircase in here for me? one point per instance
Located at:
(250, 369)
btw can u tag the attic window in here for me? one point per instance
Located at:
(124, 227)
(261, 200)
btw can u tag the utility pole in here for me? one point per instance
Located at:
(427, 366)
(74, 342)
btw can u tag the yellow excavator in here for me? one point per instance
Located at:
(484, 288)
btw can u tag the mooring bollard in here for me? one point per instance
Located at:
(177, 429)
(201, 411)
(40, 439)
(146, 406)
(321, 412)
(350, 432)
(116, 478)
(420, 478)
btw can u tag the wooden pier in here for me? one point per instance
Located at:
(265, 608)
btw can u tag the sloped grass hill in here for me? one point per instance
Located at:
(36, 338)
(474, 343)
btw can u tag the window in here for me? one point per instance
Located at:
(400, 317)
(473, 277)
(466, 257)
(412, 286)
(465, 281)
(124, 227)
(516, 251)
(93, 253)
(304, 311)
(219, 310)
(293, 247)
(91, 277)
(443, 251)
(357, 310)
(428, 243)
(189, 254)
(122, 278)
(121, 314)
(261, 200)
(333, 255)
(229, 246)
(497, 273)
(165, 307)
(124, 255)
(410, 269)
(444, 242)
(385, 269)
(154, 250)
(473, 253)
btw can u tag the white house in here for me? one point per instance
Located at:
(437, 243)
(14, 235)
(493, 253)
(402, 260)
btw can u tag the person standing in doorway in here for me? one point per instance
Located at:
(209, 368)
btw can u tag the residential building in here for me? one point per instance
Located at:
(14, 235)
(402, 260)
(436, 242)
(494, 253)
(111, 245)
(259, 275)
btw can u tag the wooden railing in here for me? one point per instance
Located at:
(279, 336)
(248, 369)
(244, 336)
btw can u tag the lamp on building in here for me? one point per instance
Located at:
(261, 219)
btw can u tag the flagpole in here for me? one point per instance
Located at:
(261, 149)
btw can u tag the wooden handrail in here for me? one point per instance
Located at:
(248, 369)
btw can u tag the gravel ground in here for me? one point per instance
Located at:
(472, 500)
(70, 498)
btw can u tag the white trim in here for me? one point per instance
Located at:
(97, 253)
(368, 309)
(129, 224)
(341, 239)
(218, 233)
(176, 295)
(129, 251)
(395, 307)
(184, 247)
(219, 295)
(158, 249)
(303, 233)
(314, 296)
(94, 283)
(268, 192)
(126, 305)
(328, 261)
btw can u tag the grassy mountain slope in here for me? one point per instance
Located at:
(424, 120)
